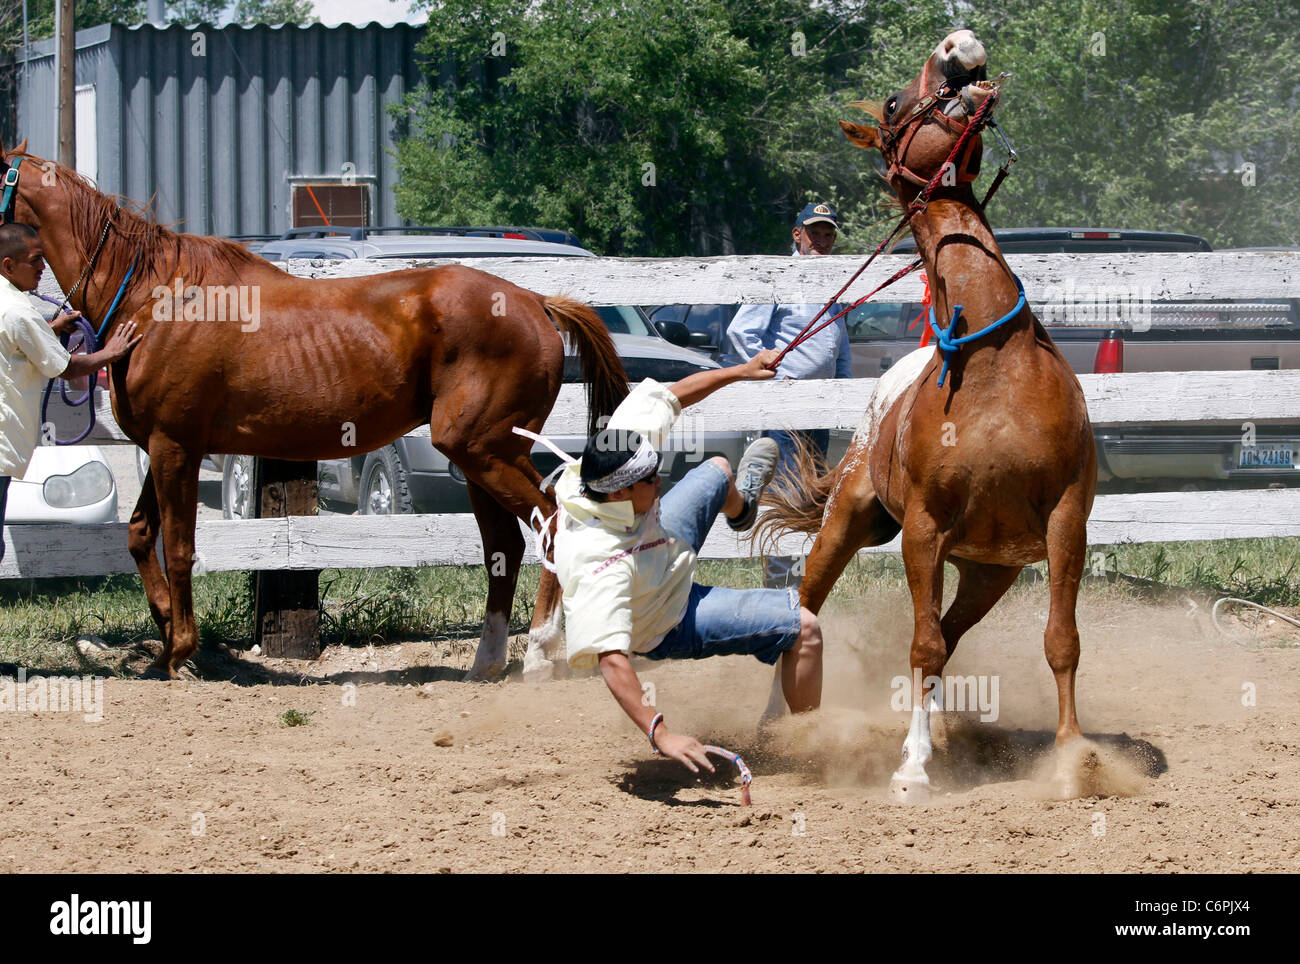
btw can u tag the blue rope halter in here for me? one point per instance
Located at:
(950, 346)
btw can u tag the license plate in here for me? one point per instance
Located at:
(1266, 456)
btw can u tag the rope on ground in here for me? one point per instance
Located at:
(1214, 613)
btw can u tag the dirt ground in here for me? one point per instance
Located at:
(1196, 767)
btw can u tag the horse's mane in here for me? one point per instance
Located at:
(163, 253)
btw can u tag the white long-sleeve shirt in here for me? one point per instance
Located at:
(30, 355)
(625, 579)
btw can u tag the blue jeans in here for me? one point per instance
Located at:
(721, 622)
(778, 570)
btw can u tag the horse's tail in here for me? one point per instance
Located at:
(797, 498)
(602, 369)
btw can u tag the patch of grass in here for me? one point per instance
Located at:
(296, 717)
(41, 619)
(1266, 571)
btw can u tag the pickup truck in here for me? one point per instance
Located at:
(1145, 338)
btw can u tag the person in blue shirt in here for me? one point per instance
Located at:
(825, 355)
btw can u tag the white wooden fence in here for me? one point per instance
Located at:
(1266, 397)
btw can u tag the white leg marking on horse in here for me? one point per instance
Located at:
(910, 783)
(543, 644)
(490, 660)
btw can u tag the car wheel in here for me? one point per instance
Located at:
(384, 489)
(141, 463)
(237, 487)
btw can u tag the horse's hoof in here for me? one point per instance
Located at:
(1076, 774)
(158, 672)
(910, 789)
(538, 670)
(484, 674)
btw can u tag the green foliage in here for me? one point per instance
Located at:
(1140, 113)
(248, 12)
(40, 14)
(549, 113)
(245, 12)
(1136, 113)
(196, 11)
(40, 17)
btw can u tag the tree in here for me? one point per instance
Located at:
(197, 11)
(645, 126)
(1160, 114)
(245, 12)
(40, 16)
(248, 12)
(1137, 113)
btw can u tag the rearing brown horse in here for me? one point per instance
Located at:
(326, 369)
(995, 469)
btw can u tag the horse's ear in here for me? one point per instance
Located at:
(866, 137)
(873, 107)
(21, 148)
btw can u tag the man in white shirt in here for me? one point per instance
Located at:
(824, 355)
(626, 561)
(30, 354)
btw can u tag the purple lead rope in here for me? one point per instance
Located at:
(88, 343)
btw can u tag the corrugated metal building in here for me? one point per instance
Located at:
(229, 129)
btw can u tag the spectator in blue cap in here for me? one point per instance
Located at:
(825, 355)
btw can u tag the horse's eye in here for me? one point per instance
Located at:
(891, 106)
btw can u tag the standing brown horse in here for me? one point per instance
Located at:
(315, 370)
(994, 469)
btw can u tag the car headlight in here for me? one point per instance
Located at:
(89, 484)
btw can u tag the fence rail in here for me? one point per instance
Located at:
(358, 542)
(757, 280)
(1161, 398)
(1150, 398)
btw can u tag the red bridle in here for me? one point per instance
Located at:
(895, 141)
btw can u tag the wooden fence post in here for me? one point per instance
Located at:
(286, 603)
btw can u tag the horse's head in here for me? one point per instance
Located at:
(920, 125)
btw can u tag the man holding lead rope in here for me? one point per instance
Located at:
(30, 354)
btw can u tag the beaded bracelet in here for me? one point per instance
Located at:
(659, 718)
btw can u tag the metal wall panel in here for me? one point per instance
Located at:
(212, 124)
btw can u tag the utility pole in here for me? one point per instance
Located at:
(65, 69)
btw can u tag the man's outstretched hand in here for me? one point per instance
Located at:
(684, 749)
(756, 369)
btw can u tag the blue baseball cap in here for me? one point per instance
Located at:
(817, 211)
